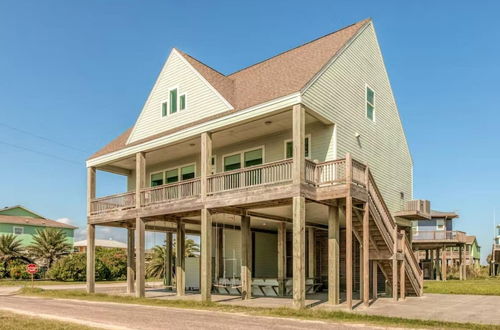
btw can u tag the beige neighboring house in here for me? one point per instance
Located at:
(81, 246)
(288, 169)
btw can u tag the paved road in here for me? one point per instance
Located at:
(127, 316)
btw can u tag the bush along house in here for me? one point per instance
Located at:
(290, 170)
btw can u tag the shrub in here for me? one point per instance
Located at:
(111, 264)
(16, 269)
(115, 261)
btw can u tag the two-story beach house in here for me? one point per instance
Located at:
(290, 170)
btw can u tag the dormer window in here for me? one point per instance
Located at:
(182, 102)
(176, 102)
(370, 104)
(173, 100)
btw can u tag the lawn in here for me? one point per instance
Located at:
(7, 282)
(309, 314)
(16, 321)
(487, 286)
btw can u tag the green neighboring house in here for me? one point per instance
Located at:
(23, 223)
(472, 251)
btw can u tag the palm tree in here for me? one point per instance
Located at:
(156, 265)
(11, 248)
(49, 245)
(191, 248)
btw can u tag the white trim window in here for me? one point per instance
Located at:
(288, 147)
(172, 175)
(370, 103)
(245, 158)
(440, 224)
(176, 102)
(182, 102)
(18, 230)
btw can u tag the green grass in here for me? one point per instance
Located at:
(17, 321)
(488, 286)
(9, 282)
(309, 314)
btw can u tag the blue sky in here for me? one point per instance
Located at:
(77, 73)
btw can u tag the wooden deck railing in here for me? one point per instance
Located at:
(269, 173)
(418, 205)
(439, 235)
(172, 191)
(331, 172)
(112, 203)
(358, 173)
(412, 257)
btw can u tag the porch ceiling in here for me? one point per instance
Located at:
(265, 126)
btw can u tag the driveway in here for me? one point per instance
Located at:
(127, 316)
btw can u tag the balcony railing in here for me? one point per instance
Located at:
(112, 203)
(169, 192)
(270, 173)
(496, 246)
(279, 172)
(439, 235)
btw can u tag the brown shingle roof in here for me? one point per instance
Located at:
(17, 220)
(278, 76)
(470, 239)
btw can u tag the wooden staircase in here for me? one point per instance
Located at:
(385, 241)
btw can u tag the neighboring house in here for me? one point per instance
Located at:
(81, 246)
(24, 223)
(495, 254)
(435, 241)
(234, 158)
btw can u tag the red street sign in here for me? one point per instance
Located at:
(32, 268)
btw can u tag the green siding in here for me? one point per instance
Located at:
(339, 94)
(476, 250)
(29, 231)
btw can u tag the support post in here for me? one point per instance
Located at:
(90, 258)
(438, 274)
(464, 266)
(333, 255)
(140, 240)
(444, 264)
(282, 258)
(460, 252)
(395, 267)
(130, 261)
(206, 255)
(180, 259)
(374, 280)
(168, 261)
(91, 185)
(298, 173)
(91, 188)
(366, 256)
(311, 251)
(246, 271)
(299, 274)
(206, 220)
(348, 233)
(402, 274)
(349, 256)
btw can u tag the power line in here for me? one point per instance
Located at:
(40, 153)
(44, 138)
